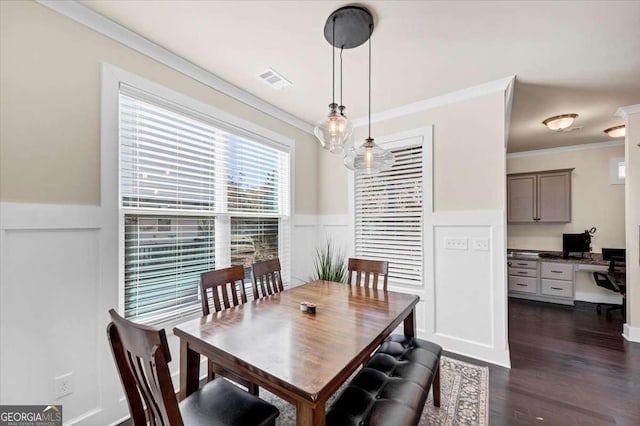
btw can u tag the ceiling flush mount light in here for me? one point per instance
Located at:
(616, 131)
(346, 28)
(369, 158)
(560, 122)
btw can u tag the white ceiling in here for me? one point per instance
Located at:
(570, 56)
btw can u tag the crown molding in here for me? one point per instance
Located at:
(99, 23)
(626, 111)
(570, 148)
(438, 101)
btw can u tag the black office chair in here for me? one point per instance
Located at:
(614, 280)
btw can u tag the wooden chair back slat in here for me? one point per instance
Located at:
(268, 274)
(222, 282)
(367, 272)
(142, 357)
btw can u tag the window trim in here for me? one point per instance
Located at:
(112, 241)
(394, 141)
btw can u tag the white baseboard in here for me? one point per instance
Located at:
(632, 334)
(473, 350)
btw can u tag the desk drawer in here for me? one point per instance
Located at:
(522, 284)
(557, 288)
(557, 271)
(528, 264)
(520, 272)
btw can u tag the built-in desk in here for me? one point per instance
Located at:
(547, 279)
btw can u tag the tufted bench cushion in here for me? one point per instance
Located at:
(392, 387)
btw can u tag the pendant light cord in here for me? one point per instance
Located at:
(341, 49)
(333, 63)
(370, 32)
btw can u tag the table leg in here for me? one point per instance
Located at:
(410, 324)
(306, 415)
(189, 369)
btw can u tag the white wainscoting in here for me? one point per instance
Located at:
(464, 310)
(54, 297)
(55, 294)
(53, 312)
(309, 232)
(303, 240)
(468, 313)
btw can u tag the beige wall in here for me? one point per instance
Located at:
(468, 156)
(632, 198)
(594, 201)
(50, 108)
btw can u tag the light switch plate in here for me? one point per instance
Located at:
(480, 244)
(455, 243)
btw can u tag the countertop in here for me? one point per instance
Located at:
(523, 254)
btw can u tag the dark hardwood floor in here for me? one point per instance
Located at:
(569, 366)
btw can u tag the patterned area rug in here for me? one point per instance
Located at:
(464, 398)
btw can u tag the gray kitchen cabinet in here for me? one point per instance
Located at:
(539, 197)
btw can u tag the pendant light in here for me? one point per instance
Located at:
(369, 158)
(333, 130)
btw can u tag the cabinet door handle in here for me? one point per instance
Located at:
(509, 263)
(522, 285)
(521, 264)
(556, 272)
(557, 288)
(522, 273)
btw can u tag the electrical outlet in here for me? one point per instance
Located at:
(63, 385)
(480, 244)
(455, 243)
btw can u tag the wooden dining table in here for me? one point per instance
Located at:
(302, 358)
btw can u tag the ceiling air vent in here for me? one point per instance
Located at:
(274, 79)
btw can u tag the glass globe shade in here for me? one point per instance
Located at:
(369, 158)
(333, 130)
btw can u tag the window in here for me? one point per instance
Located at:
(195, 195)
(389, 215)
(616, 171)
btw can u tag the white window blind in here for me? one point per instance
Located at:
(195, 196)
(388, 216)
(167, 159)
(164, 257)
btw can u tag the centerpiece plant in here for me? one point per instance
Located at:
(329, 263)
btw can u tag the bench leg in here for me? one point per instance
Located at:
(436, 387)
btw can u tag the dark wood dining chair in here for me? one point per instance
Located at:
(268, 274)
(142, 357)
(367, 272)
(224, 288)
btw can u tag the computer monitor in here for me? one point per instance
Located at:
(610, 253)
(576, 244)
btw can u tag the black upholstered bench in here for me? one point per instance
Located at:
(392, 387)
